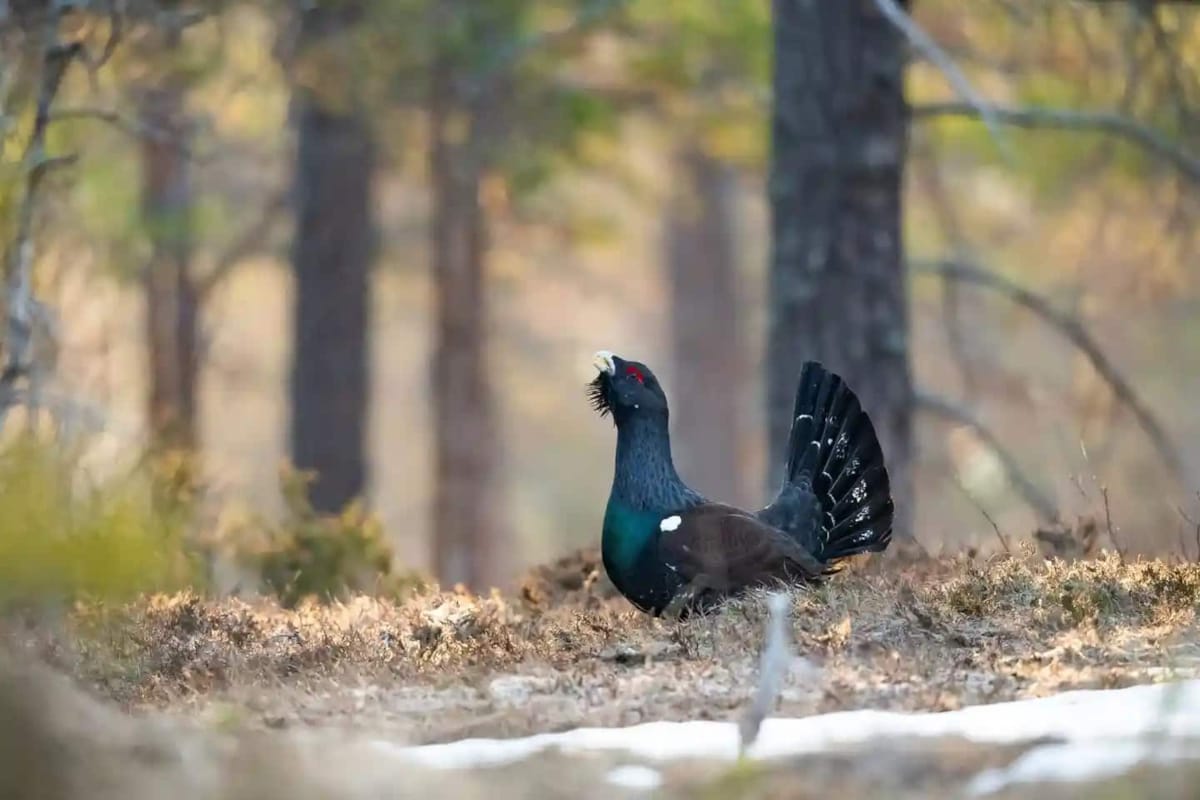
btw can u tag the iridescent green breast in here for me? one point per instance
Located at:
(629, 545)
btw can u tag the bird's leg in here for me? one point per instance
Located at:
(685, 595)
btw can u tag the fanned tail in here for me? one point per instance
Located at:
(836, 498)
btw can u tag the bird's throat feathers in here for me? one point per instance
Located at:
(645, 476)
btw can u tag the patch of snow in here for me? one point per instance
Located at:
(635, 776)
(1080, 717)
(1073, 762)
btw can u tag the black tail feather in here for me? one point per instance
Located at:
(834, 454)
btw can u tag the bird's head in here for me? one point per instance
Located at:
(625, 389)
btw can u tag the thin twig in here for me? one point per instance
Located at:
(133, 128)
(995, 527)
(896, 14)
(115, 32)
(1198, 535)
(1196, 530)
(1062, 119)
(979, 507)
(1074, 331)
(773, 666)
(1077, 482)
(247, 242)
(1040, 502)
(1112, 534)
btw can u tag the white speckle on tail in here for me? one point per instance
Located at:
(670, 523)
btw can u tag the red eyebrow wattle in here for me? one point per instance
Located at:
(636, 373)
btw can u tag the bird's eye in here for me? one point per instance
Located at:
(635, 373)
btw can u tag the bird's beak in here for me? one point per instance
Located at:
(603, 361)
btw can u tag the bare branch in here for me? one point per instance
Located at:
(246, 243)
(117, 120)
(116, 29)
(1034, 497)
(23, 309)
(1112, 533)
(1180, 75)
(1061, 119)
(921, 40)
(1074, 331)
(1196, 527)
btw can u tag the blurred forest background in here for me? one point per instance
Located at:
(381, 240)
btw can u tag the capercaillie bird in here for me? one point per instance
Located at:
(671, 551)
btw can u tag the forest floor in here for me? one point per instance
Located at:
(567, 652)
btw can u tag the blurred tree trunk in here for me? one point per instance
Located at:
(837, 281)
(331, 257)
(708, 369)
(467, 524)
(172, 304)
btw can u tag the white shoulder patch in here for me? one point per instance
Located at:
(670, 523)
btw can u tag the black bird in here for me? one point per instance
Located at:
(670, 550)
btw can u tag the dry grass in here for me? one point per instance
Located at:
(216, 675)
(928, 636)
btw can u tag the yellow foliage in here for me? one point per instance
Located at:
(63, 536)
(322, 556)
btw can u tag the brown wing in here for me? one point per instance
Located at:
(731, 549)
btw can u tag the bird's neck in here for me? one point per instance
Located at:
(645, 478)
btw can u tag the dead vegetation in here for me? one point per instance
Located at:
(58, 744)
(214, 680)
(565, 650)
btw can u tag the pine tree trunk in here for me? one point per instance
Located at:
(707, 354)
(172, 320)
(466, 517)
(837, 280)
(331, 257)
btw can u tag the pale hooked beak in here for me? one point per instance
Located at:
(603, 361)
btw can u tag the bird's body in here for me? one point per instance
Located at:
(668, 548)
